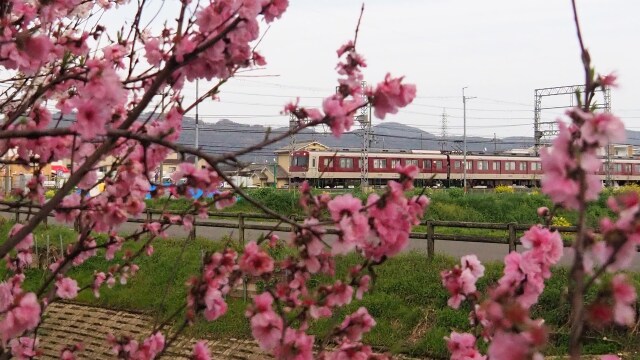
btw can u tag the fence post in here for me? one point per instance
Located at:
(17, 215)
(241, 230)
(512, 237)
(430, 240)
(241, 241)
(148, 215)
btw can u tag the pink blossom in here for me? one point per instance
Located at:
(363, 286)
(474, 265)
(26, 243)
(98, 280)
(67, 288)
(25, 315)
(345, 48)
(603, 129)
(340, 294)
(255, 261)
(624, 296)
(608, 80)
(546, 246)
(266, 325)
(295, 345)
(275, 9)
(543, 211)
(339, 113)
(67, 355)
(201, 351)
(23, 348)
(463, 347)
(508, 346)
(152, 51)
(357, 324)
(225, 199)
(391, 95)
(343, 205)
(216, 306)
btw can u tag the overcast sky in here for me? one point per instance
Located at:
(500, 49)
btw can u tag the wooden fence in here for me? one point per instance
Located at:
(265, 222)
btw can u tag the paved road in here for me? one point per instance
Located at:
(484, 251)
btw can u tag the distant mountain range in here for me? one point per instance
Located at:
(227, 136)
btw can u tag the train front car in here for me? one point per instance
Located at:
(298, 167)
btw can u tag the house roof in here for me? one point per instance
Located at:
(299, 146)
(281, 173)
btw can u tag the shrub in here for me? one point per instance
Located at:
(49, 194)
(504, 189)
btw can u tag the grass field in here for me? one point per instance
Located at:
(407, 300)
(449, 205)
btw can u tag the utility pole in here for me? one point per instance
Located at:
(464, 136)
(197, 118)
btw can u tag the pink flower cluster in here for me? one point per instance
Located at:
(340, 109)
(19, 312)
(70, 352)
(201, 351)
(24, 252)
(24, 348)
(266, 325)
(504, 316)
(219, 60)
(206, 293)
(389, 217)
(463, 347)
(620, 238)
(127, 348)
(524, 273)
(460, 282)
(67, 288)
(562, 166)
(255, 261)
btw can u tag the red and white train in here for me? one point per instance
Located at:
(341, 168)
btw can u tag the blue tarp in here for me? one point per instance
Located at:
(195, 193)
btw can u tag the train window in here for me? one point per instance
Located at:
(469, 165)
(359, 163)
(300, 161)
(395, 163)
(438, 164)
(456, 164)
(412, 162)
(536, 166)
(427, 164)
(346, 163)
(523, 166)
(483, 165)
(627, 168)
(637, 168)
(313, 162)
(618, 167)
(510, 165)
(496, 166)
(328, 162)
(379, 163)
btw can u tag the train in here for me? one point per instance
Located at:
(342, 168)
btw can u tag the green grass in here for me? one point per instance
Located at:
(407, 299)
(450, 205)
